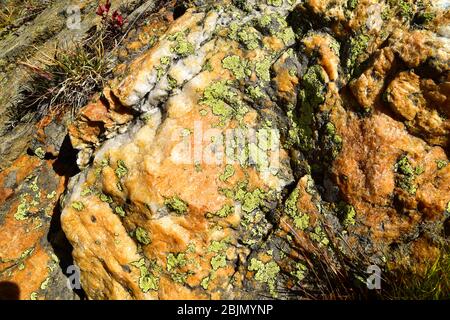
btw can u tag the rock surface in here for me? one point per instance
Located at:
(247, 150)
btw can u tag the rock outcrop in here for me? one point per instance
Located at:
(248, 150)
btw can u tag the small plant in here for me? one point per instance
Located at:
(114, 20)
(431, 284)
(66, 81)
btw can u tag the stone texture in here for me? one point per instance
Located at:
(343, 107)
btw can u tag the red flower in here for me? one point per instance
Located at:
(117, 19)
(103, 10)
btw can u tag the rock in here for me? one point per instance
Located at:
(242, 150)
(29, 193)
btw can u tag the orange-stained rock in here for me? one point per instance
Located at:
(28, 264)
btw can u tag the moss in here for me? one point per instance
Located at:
(182, 47)
(121, 170)
(262, 69)
(236, 65)
(77, 205)
(301, 221)
(175, 261)
(142, 236)
(176, 205)
(228, 173)
(265, 273)
(218, 261)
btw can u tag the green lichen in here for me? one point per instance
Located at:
(218, 246)
(406, 9)
(142, 236)
(147, 280)
(311, 96)
(441, 164)
(255, 92)
(175, 261)
(406, 175)
(44, 284)
(77, 205)
(51, 195)
(275, 3)
(173, 83)
(333, 142)
(207, 66)
(265, 273)
(237, 66)
(205, 282)
(105, 198)
(313, 84)
(22, 209)
(182, 47)
(252, 200)
(358, 47)
(40, 153)
(120, 211)
(224, 212)
(121, 170)
(246, 35)
(320, 236)
(175, 204)
(258, 156)
(300, 271)
(218, 261)
(347, 213)
(262, 69)
(228, 173)
(301, 221)
(223, 102)
(352, 4)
